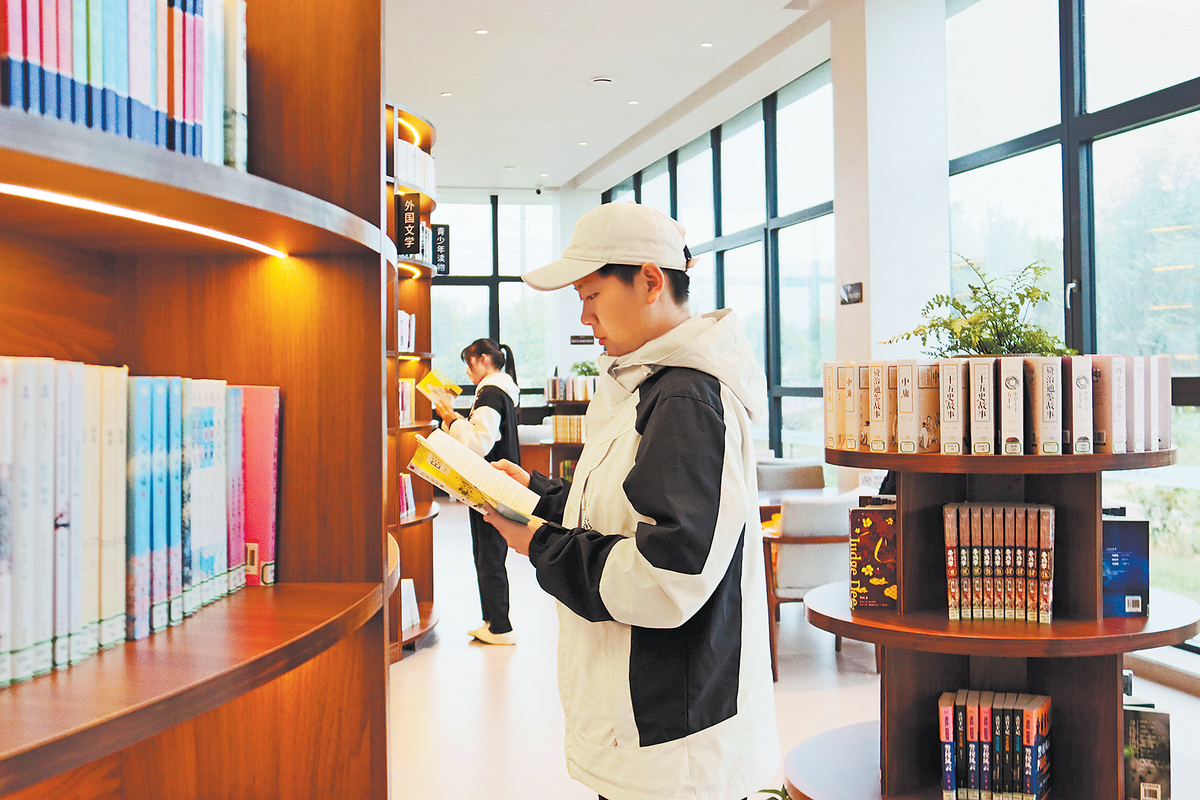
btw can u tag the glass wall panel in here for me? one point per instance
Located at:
(458, 315)
(623, 191)
(1001, 70)
(804, 130)
(745, 279)
(526, 237)
(1137, 48)
(656, 187)
(1005, 216)
(804, 431)
(1147, 198)
(470, 236)
(695, 181)
(702, 285)
(806, 299)
(743, 171)
(523, 328)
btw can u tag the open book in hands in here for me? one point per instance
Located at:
(437, 387)
(452, 466)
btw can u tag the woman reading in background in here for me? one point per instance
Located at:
(490, 429)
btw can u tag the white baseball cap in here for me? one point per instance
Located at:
(615, 233)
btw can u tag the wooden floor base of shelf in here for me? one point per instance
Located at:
(414, 635)
(841, 764)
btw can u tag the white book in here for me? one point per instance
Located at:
(953, 379)
(93, 454)
(115, 411)
(220, 491)
(44, 516)
(1164, 402)
(881, 413)
(1153, 410)
(190, 523)
(1077, 404)
(1043, 417)
(833, 422)
(1010, 404)
(76, 638)
(214, 81)
(848, 401)
(24, 531)
(1108, 404)
(236, 130)
(1135, 404)
(862, 402)
(61, 642)
(6, 518)
(981, 371)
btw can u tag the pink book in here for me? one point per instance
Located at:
(260, 406)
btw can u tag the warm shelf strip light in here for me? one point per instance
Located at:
(416, 134)
(413, 272)
(138, 216)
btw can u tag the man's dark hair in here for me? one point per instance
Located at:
(677, 279)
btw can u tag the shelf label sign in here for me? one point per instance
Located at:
(582, 339)
(441, 249)
(409, 224)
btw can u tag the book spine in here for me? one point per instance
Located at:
(881, 409)
(1077, 421)
(950, 520)
(953, 379)
(1032, 549)
(1108, 411)
(236, 492)
(985, 745)
(93, 454)
(190, 465)
(95, 64)
(983, 405)
(1045, 564)
(175, 499)
(1164, 402)
(160, 611)
(174, 109)
(162, 76)
(219, 532)
(973, 745)
(1152, 407)
(976, 561)
(852, 417)
(199, 107)
(960, 744)
(49, 49)
(66, 61)
(946, 742)
(1043, 435)
(1010, 583)
(24, 529)
(964, 561)
(13, 83)
(44, 516)
(116, 65)
(261, 420)
(829, 399)
(997, 777)
(61, 645)
(7, 511)
(1135, 404)
(1010, 393)
(34, 69)
(112, 507)
(76, 636)
(138, 501)
(989, 580)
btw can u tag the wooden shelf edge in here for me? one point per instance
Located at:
(424, 513)
(57, 156)
(1173, 619)
(413, 426)
(854, 749)
(1000, 465)
(134, 691)
(429, 620)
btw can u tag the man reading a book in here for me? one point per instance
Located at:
(653, 550)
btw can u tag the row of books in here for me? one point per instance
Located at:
(415, 168)
(406, 331)
(165, 72)
(566, 469)
(408, 506)
(126, 504)
(569, 428)
(572, 387)
(1009, 405)
(994, 745)
(407, 389)
(999, 561)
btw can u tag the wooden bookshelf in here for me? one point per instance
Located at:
(236, 702)
(1077, 659)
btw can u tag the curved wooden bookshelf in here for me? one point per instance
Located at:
(391, 577)
(414, 426)
(429, 620)
(855, 751)
(1173, 619)
(1001, 465)
(73, 160)
(424, 513)
(139, 689)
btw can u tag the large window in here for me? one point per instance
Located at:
(656, 186)
(743, 186)
(804, 125)
(458, 316)
(806, 275)
(1134, 48)
(745, 279)
(695, 181)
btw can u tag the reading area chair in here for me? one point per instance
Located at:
(812, 545)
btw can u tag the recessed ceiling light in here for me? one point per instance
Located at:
(544, 175)
(481, 32)
(633, 102)
(446, 94)
(583, 144)
(602, 81)
(706, 44)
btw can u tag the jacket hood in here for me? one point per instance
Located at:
(502, 381)
(712, 343)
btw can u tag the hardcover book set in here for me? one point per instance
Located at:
(994, 745)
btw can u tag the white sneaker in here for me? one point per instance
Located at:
(486, 636)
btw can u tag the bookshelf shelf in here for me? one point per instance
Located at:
(1076, 660)
(422, 425)
(143, 688)
(855, 750)
(429, 619)
(1173, 619)
(424, 513)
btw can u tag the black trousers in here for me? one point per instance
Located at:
(490, 550)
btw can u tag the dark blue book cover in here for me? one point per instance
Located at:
(1126, 567)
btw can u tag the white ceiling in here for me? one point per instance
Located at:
(523, 97)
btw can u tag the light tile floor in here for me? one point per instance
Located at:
(471, 720)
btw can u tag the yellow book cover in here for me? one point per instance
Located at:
(435, 384)
(453, 467)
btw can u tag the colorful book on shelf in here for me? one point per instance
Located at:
(13, 83)
(950, 529)
(986, 699)
(1077, 404)
(976, 561)
(34, 71)
(1125, 571)
(214, 81)
(162, 77)
(960, 743)
(1147, 754)
(138, 500)
(160, 578)
(174, 471)
(964, 562)
(94, 13)
(982, 400)
(437, 387)
(998, 786)
(972, 744)
(1043, 405)
(1108, 409)
(44, 519)
(953, 381)
(986, 549)
(190, 466)
(1020, 559)
(236, 135)
(881, 411)
(116, 66)
(852, 416)
(873, 557)
(175, 76)
(260, 419)
(1035, 747)
(946, 744)
(235, 481)
(49, 43)
(1045, 564)
(1010, 405)
(93, 470)
(142, 63)
(7, 510)
(450, 465)
(213, 553)
(1009, 560)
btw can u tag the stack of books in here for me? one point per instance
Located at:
(126, 503)
(999, 561)
(172, 74)
(994, 745)
(415, 168)
(569, 428)
(1008, 405)
(574, 387)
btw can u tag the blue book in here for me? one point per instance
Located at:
(116, 67)
(79, 59)
(13, 87)
(1126, 565)
(159, 573)
(191, 452)
(137, 505)
(175, 499)
(235, 494)
(95, 64)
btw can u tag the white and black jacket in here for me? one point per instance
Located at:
(664, 663)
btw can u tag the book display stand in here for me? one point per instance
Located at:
(1077, 659)
(408, 283)
(275, 691)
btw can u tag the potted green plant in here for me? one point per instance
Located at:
(991, 321)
